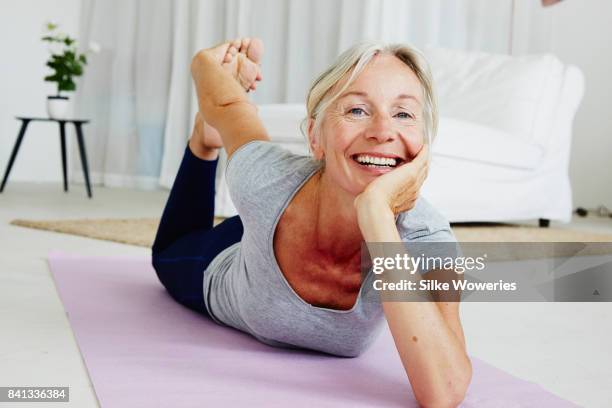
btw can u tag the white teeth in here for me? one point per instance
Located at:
(381, 161)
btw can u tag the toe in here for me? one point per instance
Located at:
(218, 52)
(244, 46)
(255, 50)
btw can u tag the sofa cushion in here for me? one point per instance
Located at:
(518, 95)
(282, 121)
(460, 139)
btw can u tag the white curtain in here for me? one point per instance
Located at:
(138, 90)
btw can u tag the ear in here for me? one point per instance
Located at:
(314, 139)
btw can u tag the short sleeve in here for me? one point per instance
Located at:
(259, 176)
(428, 234)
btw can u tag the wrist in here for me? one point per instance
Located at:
(368, 203)
(372, 210)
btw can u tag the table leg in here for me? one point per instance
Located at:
(62, 126)
(81, 140)
(24, 126)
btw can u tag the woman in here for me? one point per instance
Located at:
(287, 268)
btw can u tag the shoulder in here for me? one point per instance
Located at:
(424, 223)
(255, 151)
(262, 177)
(263, 163)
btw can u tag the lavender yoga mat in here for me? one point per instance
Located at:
(142, 349)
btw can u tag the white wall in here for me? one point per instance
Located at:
(22, 89)
(579, 33)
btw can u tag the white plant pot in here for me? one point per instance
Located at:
(57, 107)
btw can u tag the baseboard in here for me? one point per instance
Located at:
(116, 180)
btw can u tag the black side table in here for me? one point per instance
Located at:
(78, 123)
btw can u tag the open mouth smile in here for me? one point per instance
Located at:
(377, 162)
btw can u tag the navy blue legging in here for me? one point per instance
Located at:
(186, 241)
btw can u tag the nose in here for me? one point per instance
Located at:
(381, 129)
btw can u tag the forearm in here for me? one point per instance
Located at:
(224, 103)
(433, 356)
(435, 361)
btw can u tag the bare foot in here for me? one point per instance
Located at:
(241, 58)
(243, 61)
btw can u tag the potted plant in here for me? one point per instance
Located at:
(66, 63)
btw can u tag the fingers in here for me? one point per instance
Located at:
(419, 166)
(244, 45)
(423, 156)
(249, 49)
(229, 55)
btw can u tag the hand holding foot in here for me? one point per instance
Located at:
(241, 58)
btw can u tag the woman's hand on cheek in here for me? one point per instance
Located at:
(398, 189)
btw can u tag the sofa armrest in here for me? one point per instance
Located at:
(570, 97)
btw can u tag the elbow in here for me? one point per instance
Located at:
(449, 396)
(450, 400)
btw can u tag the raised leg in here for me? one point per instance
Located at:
(241, 58)
(62, 127)
(191, 203)
(24, 126)
(83, 154)
(186, 241)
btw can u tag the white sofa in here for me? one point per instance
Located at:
(503, 144)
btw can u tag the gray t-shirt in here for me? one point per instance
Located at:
(244, 287)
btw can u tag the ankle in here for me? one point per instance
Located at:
(203, 152)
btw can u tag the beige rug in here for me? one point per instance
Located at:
(141, 231)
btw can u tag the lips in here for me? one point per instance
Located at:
(375, 165)
(377, 160)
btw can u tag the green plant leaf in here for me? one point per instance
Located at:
(65, 65)
(67, 85)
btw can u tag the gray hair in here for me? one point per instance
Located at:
(354, 60)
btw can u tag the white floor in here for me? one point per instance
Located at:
(562, 346)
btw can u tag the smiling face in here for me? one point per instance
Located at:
(373, 126)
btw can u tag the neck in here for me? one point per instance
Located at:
(336, 228)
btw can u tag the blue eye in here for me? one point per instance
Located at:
(404, 115)
(356, 111)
